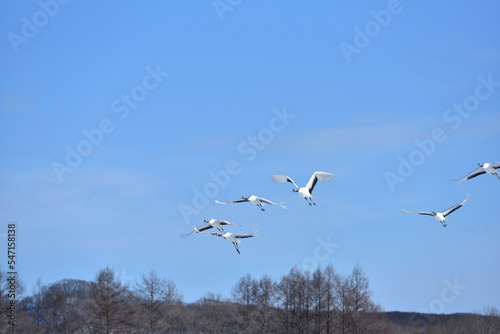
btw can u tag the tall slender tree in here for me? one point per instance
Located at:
(362, 311)
(319, 294)
(156, 295)
(266, 302)
(109, 308)
(244, 294)
(332, 300)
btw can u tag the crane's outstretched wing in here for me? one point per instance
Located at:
(243, 236)
(212, 233)
(185, 235)
(197, 230)
(277, 178)
(239, 200)
(318, 176)
(263, 200)
(419, 213)
(473, 174)
(456, 207)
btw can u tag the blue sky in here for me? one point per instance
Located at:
(153, 100)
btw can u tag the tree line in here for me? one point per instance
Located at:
(322, 301)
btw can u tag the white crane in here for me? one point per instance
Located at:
(484, 168)
(440, 216)
(233, 237)
(304, 192)
(217, 223)
(253, 199)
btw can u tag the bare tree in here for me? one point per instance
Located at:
(295, 300)
(214, 314)
(244, 295)
(318, 294)
(54, 308)
(323, 302)
(344, 305)
(265, 298)
(66, 298)
(109, 307)
(359, 300)
(157, 295)
(362, 313)
(332, 282)
(6, 296)
(172, 310)
(284, 294)
(38, 301)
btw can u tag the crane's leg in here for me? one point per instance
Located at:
(236, 247)
(307, 201)
(260, 206)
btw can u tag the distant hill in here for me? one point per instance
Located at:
(423, 321)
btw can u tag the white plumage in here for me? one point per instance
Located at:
(217, 223)
(489, 168)
(304, 192)
(440, 216)
(234, 238)
(259, 201)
